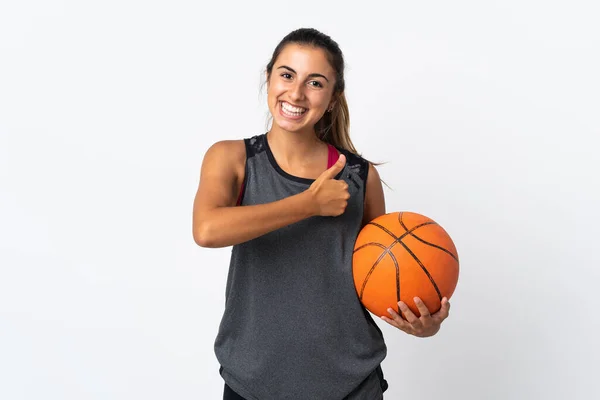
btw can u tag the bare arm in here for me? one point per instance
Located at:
(218, 222)
(374, 198)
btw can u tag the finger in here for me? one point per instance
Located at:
(335, 168)
(408, 314)
(423, 310)
(390, 321)
(444, 311)
(396, 320)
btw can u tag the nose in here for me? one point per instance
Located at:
(297, 91)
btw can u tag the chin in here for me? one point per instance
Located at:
(289, 128)
(292, 126)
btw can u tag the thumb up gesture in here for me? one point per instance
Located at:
(329, 195)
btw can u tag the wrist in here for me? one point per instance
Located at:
(308, 204)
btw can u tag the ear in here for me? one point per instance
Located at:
(332, 102)
(331, 105)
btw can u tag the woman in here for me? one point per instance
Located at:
(291, 203)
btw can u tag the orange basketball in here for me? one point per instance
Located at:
(401, 255)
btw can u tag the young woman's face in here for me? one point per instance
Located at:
(300, 88)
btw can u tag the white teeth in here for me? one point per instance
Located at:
(288, 108)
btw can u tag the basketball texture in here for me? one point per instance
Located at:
(400, 255)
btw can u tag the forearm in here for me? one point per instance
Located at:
(227, 226)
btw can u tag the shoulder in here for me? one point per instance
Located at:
(372, 174)
(228, 149)
(238, 149)
(366, 171)
(357, 164)
(226, 156)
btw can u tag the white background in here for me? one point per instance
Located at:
(486, 113)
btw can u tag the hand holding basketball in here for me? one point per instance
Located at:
(406, 264)
(425, 325)
(330, 196)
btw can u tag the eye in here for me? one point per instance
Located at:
(285, 75)
(316, 84)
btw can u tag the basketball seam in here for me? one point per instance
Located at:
(424, 241)
(393, 257)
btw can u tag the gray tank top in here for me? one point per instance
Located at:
(293, 327)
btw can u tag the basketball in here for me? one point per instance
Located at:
(402, 255)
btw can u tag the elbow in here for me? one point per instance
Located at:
(203, 236)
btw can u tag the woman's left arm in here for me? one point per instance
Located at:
(427, 324)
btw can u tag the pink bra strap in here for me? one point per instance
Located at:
(333, 156)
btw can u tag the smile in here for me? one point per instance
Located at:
(291, 111)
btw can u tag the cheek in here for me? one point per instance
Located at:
(271, 100)
(319, 100)
(274, 91)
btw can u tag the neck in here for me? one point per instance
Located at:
(294, 148)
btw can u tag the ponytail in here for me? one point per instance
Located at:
(334, 127)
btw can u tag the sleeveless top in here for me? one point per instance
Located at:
(293, 327)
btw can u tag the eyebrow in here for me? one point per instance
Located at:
(313, 75)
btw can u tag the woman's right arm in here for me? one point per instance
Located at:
(218, 222)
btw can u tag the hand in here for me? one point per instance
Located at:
(330, 196)
(423, 326)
